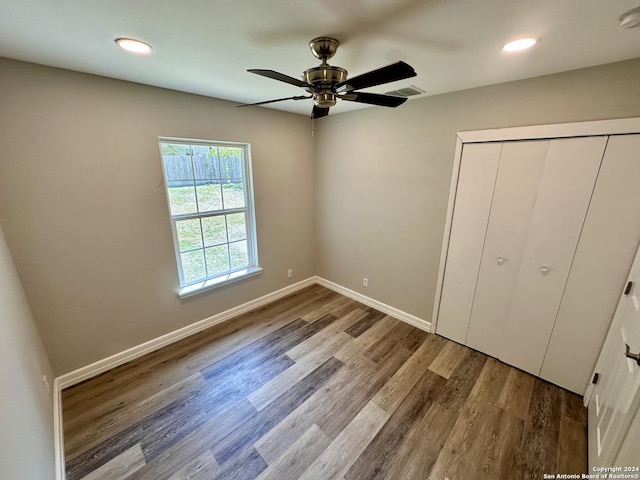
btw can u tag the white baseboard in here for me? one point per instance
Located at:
(383, 307)
(101, 366)
(58, 432)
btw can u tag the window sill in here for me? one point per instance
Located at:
(218, 282)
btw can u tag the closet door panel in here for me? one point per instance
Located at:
(478, 170)
(521, 167)
(610, 237)
(564, 193)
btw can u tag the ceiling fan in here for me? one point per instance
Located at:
(326, 84)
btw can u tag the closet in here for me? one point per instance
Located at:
(540, 237)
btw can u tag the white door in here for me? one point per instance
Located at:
(616, 395)
(478, 170)
(514, 200)
(540, 202)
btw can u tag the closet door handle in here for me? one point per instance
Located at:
(544, 268)
(632, 356)
(500, 260)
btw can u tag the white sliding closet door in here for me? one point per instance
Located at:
(478, 170)
(513, 319)
(516, 189)
(599, 272)
(564, 194)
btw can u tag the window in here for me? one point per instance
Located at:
(210, 200)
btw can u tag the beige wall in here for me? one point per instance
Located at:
(383, 176)
(84, 210)
(26, 409)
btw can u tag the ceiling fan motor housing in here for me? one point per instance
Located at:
(324, 78)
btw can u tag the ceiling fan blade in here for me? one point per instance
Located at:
(390, 73)
(282, 77)
(374, 99)
(299, 97)
(319, 112)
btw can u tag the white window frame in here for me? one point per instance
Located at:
(188, 289)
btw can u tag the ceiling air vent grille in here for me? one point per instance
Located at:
(406, 92)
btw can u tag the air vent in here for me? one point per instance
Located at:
(406, 92)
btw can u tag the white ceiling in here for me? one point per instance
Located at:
(206, 46)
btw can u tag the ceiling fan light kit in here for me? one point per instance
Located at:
(326, 83)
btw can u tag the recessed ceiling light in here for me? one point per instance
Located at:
(134, 46)
(520, 44)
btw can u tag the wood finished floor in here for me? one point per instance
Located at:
(317, 386)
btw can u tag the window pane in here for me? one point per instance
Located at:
(233, 194)
(237, 227)
(181, 199)
(205, 162)
(217, 259)
(239, 255)
(189, 234)
(231, 164)
(209, 197)
(177, 162)
(193, 266)
(175, 148)
(214, 231)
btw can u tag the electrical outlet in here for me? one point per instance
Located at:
(365, 282)
(46, 383)
(290, 273)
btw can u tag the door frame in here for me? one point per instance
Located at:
(534, 132)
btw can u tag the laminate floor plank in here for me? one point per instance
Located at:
(538, 452)
(232, 388)
(399, 385)
(202, 467)
(418, 453)
(379, 456)
(368, 385)
(572, 438)
(365, 323)
(377, 331)
(490, 384)
(327, 308)
(573, 407)
(196, 443)
(120, 467)
(484, 432)
(336, 460)
(395, 338)
(456, 390)
(246, 466)
(448, 359)
(298, 457)
(119, 415)
(323, 403)
(304, 365)
(338, 327)
(516, 395)
(262, 422)
(319, 386)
